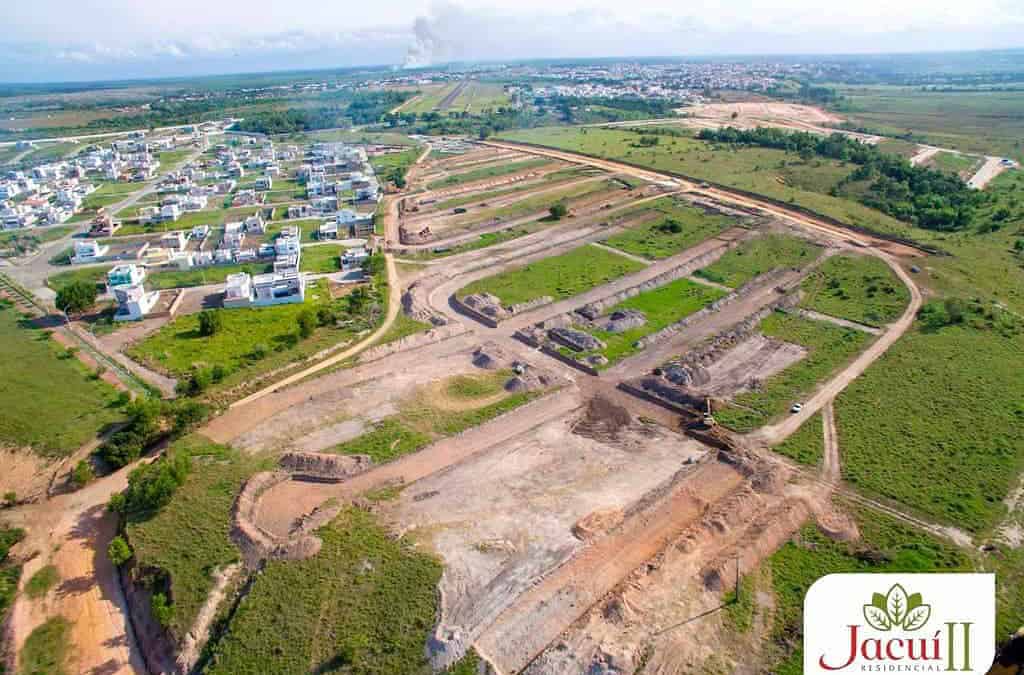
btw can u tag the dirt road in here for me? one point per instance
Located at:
(992, 167)
(72, 532)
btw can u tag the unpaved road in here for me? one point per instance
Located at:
(992, 167)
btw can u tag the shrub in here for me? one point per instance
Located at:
(558, 211)
(118, 551)
(161, 610)
(210, 322)
(307, 323)
(151, 486)
(82, 474)
(76, 297)
(42, 581)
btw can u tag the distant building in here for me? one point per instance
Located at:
(133, 302)
(88, 250)
(126, 275)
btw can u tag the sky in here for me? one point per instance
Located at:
(62, 40)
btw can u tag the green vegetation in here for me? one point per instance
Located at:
(46, 649)
(885, 545)
(982, 121)
(187, 540)
(365, 603)
(675, 229)
(10, 571)
(807, 445)
(858, 288)
(662, 306)
(321, 258)
(945, 396)
(16, 242)
(828, 348)
(387, 440)
(759, 255)
(76, 297)
(536, 203)
(897, 146)
(201, 276)
(930, 199)
(94, 275)
(54, 421)
(950, 162)
(560, 277)
(254, 340)
(403, 326)
(212, 217)
(40, 583)
(492, 171)
(804, 182)
(393, 166)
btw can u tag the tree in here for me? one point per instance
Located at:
(82, 474)
(119, 552)
(161, 610)
(558, 211)
(210, 322)
(307, 323)
(76, 297)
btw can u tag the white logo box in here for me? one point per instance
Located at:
(900, 623)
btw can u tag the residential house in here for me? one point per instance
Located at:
(264, 183)
(126, 275)
(133, 302)
(176, 241)
(88, 250)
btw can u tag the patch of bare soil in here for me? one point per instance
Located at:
(506, 517)
(25, 473)
(748, 364)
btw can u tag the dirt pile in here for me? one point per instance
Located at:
(602, 420)
(486, 304)
(416, 306)
(623, 320)
(409, 236)
(319, 466)
(575, 340)
(595, 524)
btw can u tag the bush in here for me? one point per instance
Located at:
(161, 610)
(76, 297)
(82, 474)
(118, 551)
(42, 581)
(210, 322)
(307, 323)
(558, 211)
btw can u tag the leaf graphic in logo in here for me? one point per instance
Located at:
(878, 600)
(914, 601)
(896, 602)
(877, 618)
(917, 617)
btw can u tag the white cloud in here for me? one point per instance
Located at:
(131, 38)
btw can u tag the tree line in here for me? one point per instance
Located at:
(924, 197)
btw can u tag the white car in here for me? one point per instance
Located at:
(797, 407)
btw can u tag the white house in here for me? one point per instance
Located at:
(265, 183)
(88, 250)
(238, 290)
(263, 290)
(170, 212)
(328, 230)
(133, 302)
(126, 275)
(176, 241)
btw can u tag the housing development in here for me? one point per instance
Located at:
(530, 367)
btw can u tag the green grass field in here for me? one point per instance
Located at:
(757, 256)
(26, 241)
(189, 538)
(45, 651)
(482, 173)
(807, 445)
(949, 402)
(858, 288)
(829, 347)
(53, 420)
(886, 545)
(365, 603)
(662, 306)
(765, 171)
(177, 348)
(321, 258)
(985, 122)
(187, 221)
(899, 147)
(953, 163)
(215, 274)
(560, 277)
(659, 239)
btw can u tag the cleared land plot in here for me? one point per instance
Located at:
(950, 162)
(483, 173)
(19, 242)
(807, 445)
(828, 348)
(187, 221)
(50, 401)
(430, 98)
(899, 147)
(858, 288)
(560, 277)
(661, 307)
(948, 399)
(366, 602)
(758, 256)
(323, 258)
(676, 227)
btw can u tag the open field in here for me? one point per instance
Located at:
(950, 162)
(762, 170)
(828, 348)
(188, 539)
(430, 98)
(984, 122)
(801, 562)
(758, 256)
(858, 288)
(366, 602)
(54, 421)
(947, 399)
(675, 228)
(806, 445)
(559, 277)
(187, 221)
(321, 258)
